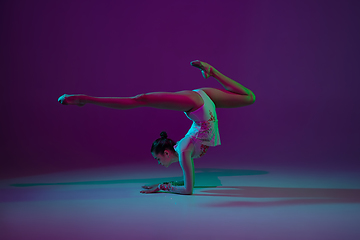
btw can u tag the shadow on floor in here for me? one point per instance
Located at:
(205, 177)
(290, 196)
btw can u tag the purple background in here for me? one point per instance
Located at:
(301, 59)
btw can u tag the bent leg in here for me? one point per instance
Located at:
(225, 99)
(230, 84)
(235, 95)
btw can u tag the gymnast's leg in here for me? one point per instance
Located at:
(234, 95)
(179, 101)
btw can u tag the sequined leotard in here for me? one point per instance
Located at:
(204, 131)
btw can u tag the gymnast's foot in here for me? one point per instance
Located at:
(72, 100)
(206, 69)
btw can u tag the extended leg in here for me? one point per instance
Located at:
(110, 102)
(114, 102)
(180, 101)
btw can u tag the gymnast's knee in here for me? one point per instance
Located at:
(140, 99)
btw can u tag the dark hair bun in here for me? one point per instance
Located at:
(163, 134)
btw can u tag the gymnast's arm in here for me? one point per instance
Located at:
(187, 165)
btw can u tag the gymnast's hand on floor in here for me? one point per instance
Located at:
(72, 100)
(150, 189)
(150, 186)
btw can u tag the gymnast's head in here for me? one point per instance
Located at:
(163, 151)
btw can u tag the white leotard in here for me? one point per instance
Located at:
(204, 131)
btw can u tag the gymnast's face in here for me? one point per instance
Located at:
(167, 158)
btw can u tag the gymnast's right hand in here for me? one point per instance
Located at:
(72, 100)
(150, 186)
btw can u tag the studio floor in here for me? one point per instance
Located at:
(228, 203)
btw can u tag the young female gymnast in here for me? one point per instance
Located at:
(199, 105)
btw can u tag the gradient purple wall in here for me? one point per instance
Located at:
(301, 59)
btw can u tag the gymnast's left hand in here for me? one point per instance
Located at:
(153, 189)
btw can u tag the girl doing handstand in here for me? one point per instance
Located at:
(199, 105)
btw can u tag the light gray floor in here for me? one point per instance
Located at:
(229, 203)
